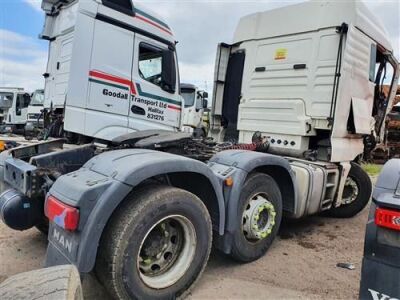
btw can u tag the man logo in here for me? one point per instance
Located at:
(65, 243)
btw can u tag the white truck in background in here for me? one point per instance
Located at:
(14, 104)
(35, 108)
(35, 115)
(196, 101)
(140, 203)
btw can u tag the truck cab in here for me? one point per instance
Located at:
(14, 104)
(35, 108)
(305, 84)
(112, 66)
(195, 102)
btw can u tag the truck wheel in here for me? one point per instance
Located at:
(356, 194)
(260, 214)
(156, 245)
(59, 282)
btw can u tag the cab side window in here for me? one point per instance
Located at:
(27, 100)
(23, 101)
(372, 63)
(150, 63)
(19, 103)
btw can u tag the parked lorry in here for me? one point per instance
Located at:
(138, 202)
(195, 101)
(35, 109)
(14, 104)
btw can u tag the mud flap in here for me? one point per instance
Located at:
(379, 281)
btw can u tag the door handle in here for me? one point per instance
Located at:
(138, 110)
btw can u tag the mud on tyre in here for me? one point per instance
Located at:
(59, 282)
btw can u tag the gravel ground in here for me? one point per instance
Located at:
(301, 263)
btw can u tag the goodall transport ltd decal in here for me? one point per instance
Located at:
(153, 107)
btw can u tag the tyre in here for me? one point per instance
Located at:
(356, 194)
(59, 282)
(260, 215)
(156, 245)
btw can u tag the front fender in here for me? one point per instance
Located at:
(115, 173)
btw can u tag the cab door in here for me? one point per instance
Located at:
(109, 81)
(21, 108)
(151, 105)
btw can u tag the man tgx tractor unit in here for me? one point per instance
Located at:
(140, 203)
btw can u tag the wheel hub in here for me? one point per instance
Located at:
(258, 218)
(160, 248)
(350, 191)
(166, 252)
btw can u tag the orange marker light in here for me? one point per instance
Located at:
(228, 181)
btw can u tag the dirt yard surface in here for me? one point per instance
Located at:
(301, 263)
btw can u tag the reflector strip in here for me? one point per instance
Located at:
(387, 218)
(62, 214)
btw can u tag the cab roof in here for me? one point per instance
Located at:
(142, 17)
(311, 16)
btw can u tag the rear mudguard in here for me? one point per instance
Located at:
(100, 186)
(106, 180)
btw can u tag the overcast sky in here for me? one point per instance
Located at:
(198, 26)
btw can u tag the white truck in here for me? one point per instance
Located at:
(195, 101)
(35, 108)
(35, 115)
(14, 104)
(141, 208)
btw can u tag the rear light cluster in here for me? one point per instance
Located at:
(387, 218)
(63, 215)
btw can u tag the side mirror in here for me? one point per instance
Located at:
(168, 73)
(205, 95)
(205, 103)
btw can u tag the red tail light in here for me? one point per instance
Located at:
(62, 214)
(387, 218)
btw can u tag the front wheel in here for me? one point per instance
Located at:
(156, 245)
(259, 215)
(356, 193)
